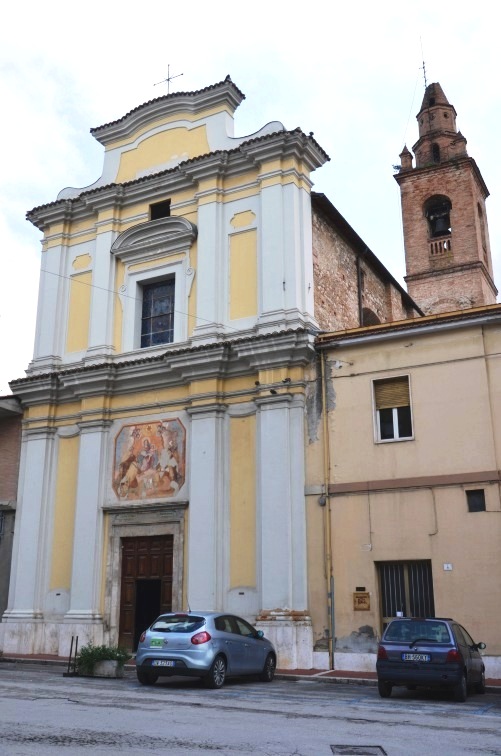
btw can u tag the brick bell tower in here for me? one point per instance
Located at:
(447, 252)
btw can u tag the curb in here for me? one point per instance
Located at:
(292, 677)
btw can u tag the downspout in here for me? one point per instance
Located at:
(359, 293)
(327, 516)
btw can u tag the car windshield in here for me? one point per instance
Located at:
(408, 631)
(177, 623)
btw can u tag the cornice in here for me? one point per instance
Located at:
(175, 367)
(225, 94)
(278, 145)
(450, 165)
(163, 235)
(482, 316)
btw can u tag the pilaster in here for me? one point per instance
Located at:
(87, 546)
(206, 511)
(29, 554)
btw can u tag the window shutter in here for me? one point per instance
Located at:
(393, 392)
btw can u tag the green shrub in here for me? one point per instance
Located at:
(90, 654)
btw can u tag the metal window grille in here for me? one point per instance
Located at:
(406, 587)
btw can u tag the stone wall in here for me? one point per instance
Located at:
(10, 449)
(336, 281)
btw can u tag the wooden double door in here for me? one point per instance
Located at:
(146, 585)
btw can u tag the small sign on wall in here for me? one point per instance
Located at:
(361, 601)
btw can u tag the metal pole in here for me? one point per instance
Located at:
(71, 654)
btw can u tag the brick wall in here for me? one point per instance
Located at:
(10, 450)
(336, 282)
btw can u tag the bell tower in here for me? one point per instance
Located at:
(447, 252)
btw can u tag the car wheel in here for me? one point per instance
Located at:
(217, 673)
(461, 690)
(268, 672)
(384, 688)
(480, 686)
(146, 678)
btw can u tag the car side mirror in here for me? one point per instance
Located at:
(480, 646)
(259, 634)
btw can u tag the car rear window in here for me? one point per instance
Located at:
(410, 630)
(175, 623)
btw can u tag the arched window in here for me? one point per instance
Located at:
(435, 152)
(369, 317)
(437, 211)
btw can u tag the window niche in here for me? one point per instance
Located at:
(437, 211)
(157, 318)
(160, 210)
(475, 500)
(156, 282)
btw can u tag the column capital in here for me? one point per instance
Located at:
(207, 410)
(94, 426)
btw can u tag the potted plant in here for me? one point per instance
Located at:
(101, 661)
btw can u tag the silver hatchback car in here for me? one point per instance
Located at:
(209, 645)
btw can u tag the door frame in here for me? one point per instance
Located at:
(132, 522)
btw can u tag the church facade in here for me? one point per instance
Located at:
(205, 417)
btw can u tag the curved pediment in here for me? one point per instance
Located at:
(171, 234)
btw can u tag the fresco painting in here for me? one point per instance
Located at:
(150, 460)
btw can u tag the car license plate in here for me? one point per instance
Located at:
(416, 657)
(163, 663)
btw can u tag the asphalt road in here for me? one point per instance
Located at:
(42, 712)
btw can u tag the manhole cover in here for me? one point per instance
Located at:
(358, 750)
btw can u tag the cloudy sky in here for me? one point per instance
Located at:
(352, 75)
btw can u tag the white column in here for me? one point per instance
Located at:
(51, 312)
(212, 262)
(286, 258)
(281, 479)
(100, 337)
(282, 527)
(87, 543)
(272, 281)
(205, 540)
(28, 556)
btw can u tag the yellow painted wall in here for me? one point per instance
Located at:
(64, 513)
(243, 274)
(456, 400)
(426, 524)
(77, 338)
(242, 501)
(160, 148)
(448, 382)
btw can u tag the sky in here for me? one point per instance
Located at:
(353, 75)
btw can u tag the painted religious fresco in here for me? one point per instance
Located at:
(149, 460)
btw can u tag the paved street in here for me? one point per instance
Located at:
(42, 712)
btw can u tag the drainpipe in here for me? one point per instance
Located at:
(359, 292)
(327, 515)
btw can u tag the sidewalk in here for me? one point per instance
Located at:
(316, 675)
